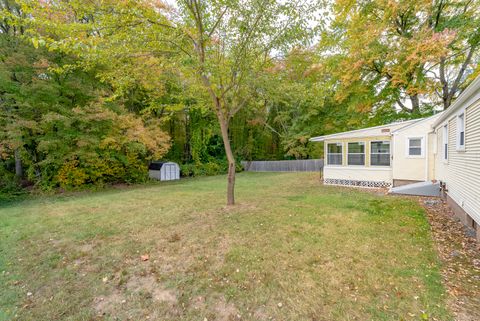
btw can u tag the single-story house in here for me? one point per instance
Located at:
(381, 156)
(441, 151)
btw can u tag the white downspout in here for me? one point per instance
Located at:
(392, 156)
(427, 154)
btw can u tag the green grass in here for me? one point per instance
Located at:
(291, 249)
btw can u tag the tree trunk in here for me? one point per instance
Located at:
(415, 103)
(187, 148)
(223, 120)
(18, 164)
(230, 158)
(449, 93)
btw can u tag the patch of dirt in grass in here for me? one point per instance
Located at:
(260, 314)
(56, 243)
(145, 286)
(460, 255)
(149, 284)
(239, 207)
(225, 311)
(216, 307)
(86, 248)
(108, 304)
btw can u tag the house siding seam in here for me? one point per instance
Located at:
(462, 172)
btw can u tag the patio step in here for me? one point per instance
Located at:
(428, 188)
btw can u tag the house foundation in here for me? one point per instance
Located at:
(466, 219)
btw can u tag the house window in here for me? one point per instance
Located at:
(334, 154)
(380, 153)
(356, 153)
(415, 147)
(445, 142)
(461, 131)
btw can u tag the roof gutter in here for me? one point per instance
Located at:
(333, 136)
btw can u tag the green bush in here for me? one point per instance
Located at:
(206, 169)
(9, 185)
(88, 146)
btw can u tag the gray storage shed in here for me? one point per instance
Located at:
(164, 171)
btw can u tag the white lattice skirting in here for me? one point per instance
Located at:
(349, 182)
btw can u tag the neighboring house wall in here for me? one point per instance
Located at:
(413, 167)
(461, 171)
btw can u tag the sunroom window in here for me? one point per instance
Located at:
(334, 154)
(356, 153)
(380, 153)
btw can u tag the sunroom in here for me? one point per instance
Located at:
(360, 157)
(358, 162)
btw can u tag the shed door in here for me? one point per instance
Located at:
(169, 172)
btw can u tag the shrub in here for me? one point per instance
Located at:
(91, 145)
(207, 169)
(9, 185)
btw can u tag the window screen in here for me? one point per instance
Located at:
(356, 153)
(445, 142)
(414, 146)
(380, 153)
(461, 130)
(334, 154)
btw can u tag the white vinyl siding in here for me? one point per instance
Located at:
(462, 172)
(413, 168)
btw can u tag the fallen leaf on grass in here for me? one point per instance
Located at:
(145, 257)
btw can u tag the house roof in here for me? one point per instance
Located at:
(383, 130)
(419, 121)
(468, 96)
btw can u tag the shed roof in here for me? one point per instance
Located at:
(383, 130)
(157, 165)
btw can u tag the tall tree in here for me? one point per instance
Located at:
(463, 58)
(46, 121)
(234, 42)
(11, 29)
(218, 47)
(408, 50)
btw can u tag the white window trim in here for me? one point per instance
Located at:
(389, 153)
(422, 147)
(364, 154)
(357, 167)
(459, 147)
(327, 153)
(445, 134)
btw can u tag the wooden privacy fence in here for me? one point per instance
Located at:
(301, 165)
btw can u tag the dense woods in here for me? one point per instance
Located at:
(91, 91)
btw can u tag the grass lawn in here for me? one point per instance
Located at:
(291, 249)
